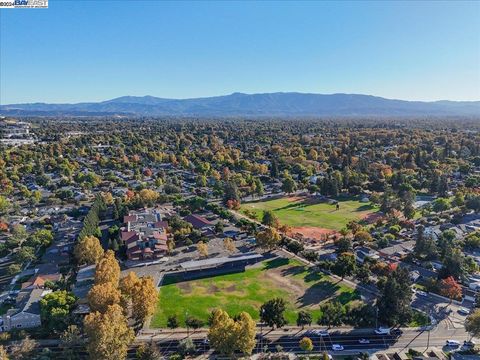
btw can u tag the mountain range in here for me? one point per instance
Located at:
(240, 104)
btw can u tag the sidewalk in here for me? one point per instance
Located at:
(266, 331)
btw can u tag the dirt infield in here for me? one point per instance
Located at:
(316, 234)
(307, 199)
(371, 218)
(295, 198)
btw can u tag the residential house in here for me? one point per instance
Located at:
(38, 281)
(199, 222)
(26, 314)
(84, 282)
(397, 250)
(362, 253)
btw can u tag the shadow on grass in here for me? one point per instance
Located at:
(275, 263)
(313, 276)
(346, 297)
(201, 274)
(318, 292)
(365, 207)
(294, 270)
(294, 205)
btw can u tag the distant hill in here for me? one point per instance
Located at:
(239, 104)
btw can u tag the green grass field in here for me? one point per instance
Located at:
(247, 291)
(308, 212)
(418, 319)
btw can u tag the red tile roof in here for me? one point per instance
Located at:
(161, 224)
(129, 218)
(127, 235)
(197, 221)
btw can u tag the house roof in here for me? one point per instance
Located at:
(399, 248)
(39, 280)
(161, 224)
(127, 235)
(28, 300)
(197, 221)
(86, 273)
(129, 218)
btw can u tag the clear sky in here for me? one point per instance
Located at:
(96, 50)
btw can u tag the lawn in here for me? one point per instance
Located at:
(247, 291)
(298, 212)
(418, 319)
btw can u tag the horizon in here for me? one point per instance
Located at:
(93, 51)
(242, 93)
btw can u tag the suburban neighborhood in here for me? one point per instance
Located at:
(239, 180)
(325, 256)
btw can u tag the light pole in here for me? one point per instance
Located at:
(429, 327)
(262, 312)
(186, 323)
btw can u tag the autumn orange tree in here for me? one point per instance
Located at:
(144, 299)
(229, 245)
(102, 295)
(88, 250)
(227, 335)
(127, 284)
(108, 334)
(106, 326)
(450, 288)
(202, 249)
(147, 197)
(107, 269)
(268, 239)
(140, 294)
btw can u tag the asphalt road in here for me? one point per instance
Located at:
(288, 339)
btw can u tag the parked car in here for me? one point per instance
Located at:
(452, 343)
(469, 344)
(364, 341)
(421, 293)
(382, 331)
(396, 332)
(337, 347)
(464, 311)
(318, 332)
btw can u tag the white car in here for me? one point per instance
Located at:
(318, 332)
(464, 311)
(337, 347)
(206, 341)
(421, 293)
(382, 331)
(452, 343)
(364, 341)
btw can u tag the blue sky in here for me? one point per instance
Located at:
(97, 50)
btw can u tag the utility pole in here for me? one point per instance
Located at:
(321, 344)
(261, 329)
(429, 328)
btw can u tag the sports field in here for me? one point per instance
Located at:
(247, 291)
(312, 212)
